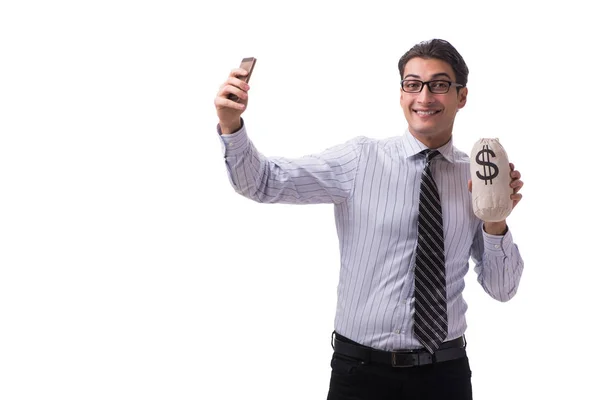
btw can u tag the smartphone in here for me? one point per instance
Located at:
(247, 64)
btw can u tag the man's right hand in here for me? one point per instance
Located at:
(229, 111)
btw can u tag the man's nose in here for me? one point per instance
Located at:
(425, 96)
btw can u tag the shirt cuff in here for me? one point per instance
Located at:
(235, 143)
(497, 245)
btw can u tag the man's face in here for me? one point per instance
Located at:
(431, 116)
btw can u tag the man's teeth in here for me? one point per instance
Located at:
(426, 112)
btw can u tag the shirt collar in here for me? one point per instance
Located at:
(413, 147)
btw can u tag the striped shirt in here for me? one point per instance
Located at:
(374, 186)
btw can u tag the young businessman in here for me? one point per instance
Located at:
(406, 229)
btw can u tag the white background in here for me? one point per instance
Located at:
(129, 268)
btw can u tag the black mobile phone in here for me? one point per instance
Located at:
(247, 64)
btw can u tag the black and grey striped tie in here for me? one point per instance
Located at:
(431, 318)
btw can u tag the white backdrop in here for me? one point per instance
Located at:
(129, 268)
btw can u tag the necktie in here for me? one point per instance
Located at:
(431, 319)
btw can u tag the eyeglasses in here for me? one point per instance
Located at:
(436, 87)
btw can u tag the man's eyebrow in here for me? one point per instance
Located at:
(438, 75)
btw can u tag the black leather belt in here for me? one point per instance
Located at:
(450, 350)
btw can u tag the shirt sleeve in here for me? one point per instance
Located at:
(327, 177)
(498, 264)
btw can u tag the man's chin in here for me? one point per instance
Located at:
(424, 130)
(430, 133)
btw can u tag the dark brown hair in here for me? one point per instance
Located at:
(441, 50)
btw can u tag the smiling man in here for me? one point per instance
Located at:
(406, 229)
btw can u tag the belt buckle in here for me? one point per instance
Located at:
(399, 356)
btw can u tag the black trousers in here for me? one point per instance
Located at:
(355, 380)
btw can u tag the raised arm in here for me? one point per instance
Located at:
(326, 177)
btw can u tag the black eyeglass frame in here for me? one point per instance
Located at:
(428, 83)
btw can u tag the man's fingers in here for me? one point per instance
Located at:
(228, 89)
(516, 185)
(238, 83)
(224, 102)
(236, 87)
(232, 90)
(516, 198)
(238, 72)
(234, 81)
(513, 173)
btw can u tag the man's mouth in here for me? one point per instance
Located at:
(426, 113)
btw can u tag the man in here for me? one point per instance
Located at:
(406, 229)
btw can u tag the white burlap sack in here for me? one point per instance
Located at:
(490, 174)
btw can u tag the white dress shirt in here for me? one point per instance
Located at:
(374, 186)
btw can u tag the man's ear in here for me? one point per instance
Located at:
(462, 97)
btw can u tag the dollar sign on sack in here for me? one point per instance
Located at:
(487, 165)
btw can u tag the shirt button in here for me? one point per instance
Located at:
(497, 246)
(398, 331)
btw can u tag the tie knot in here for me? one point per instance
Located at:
(430, 154)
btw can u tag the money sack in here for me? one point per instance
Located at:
(490, 175)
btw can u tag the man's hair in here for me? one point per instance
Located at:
(441, 50)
